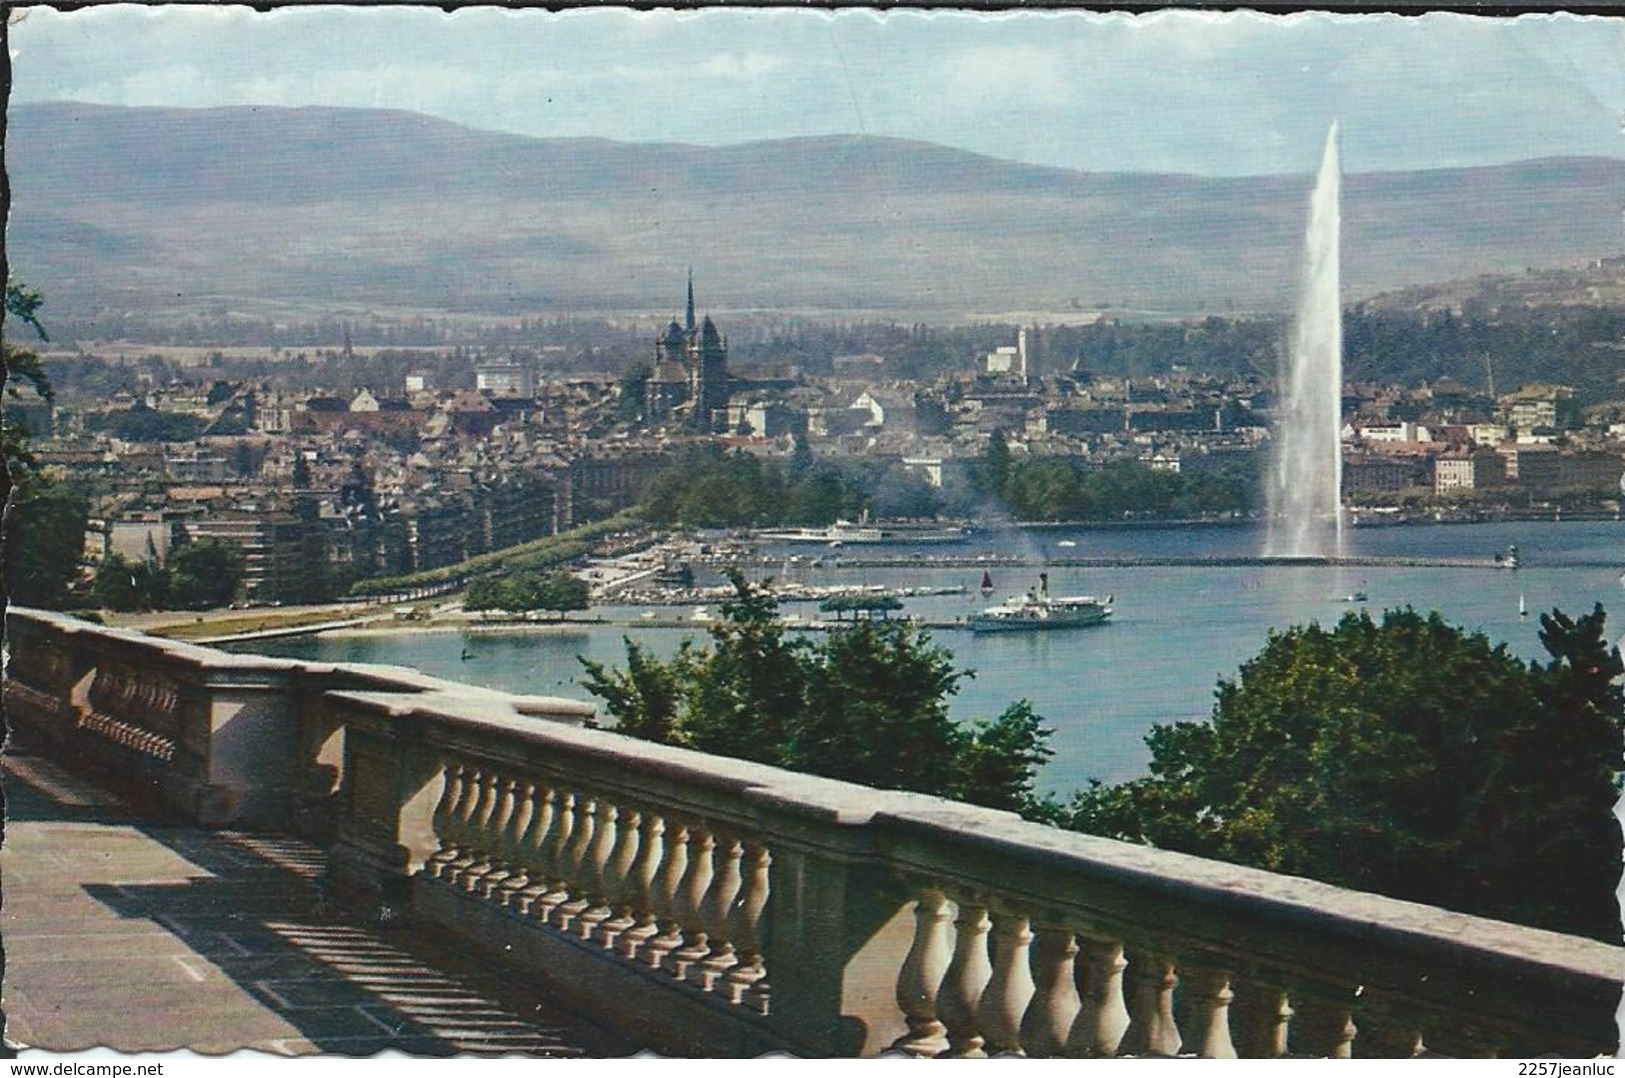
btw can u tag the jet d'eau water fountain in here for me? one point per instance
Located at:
(1306, 481)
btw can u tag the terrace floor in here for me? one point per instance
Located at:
(143, 935)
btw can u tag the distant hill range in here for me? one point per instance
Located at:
(331, 209)
(1598, 283)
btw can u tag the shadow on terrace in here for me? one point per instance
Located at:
(502, 869)
(143, 936)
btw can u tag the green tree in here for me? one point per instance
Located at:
(646, 698)
(877, 710)
(1560, 847)
(819, 499)
(996, 765)
(994, 473)
(44, 539)
(125, 585)
(633, 402)
(203, 573)
(44, 523)
(562, 592)
(868, 703)
(1406, 757)
(523, 590)
(485, 593)
(749, 690)
(142, 424)
(801, 458)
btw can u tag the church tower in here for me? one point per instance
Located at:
(691, 365)
(710, 377)
(689, 325)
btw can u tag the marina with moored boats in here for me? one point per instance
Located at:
(1192, 605)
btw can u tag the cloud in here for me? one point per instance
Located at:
(1036, 78)
(742, 66)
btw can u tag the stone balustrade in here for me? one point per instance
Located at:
(220, 738)
(725, 908)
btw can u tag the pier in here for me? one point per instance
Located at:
(980, 561)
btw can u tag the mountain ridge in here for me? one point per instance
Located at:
(313, 205)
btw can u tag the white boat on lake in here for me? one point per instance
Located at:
(1040, 610)
(845, 532)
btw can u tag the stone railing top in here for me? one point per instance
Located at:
(970, 845)
(974, 850)
(197, 660)
(999, 854)
(179, 652)
(497, 724)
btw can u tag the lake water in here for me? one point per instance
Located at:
(1174, 631)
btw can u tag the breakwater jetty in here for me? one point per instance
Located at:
(978, 561)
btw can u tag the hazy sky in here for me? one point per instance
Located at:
(1206, 93)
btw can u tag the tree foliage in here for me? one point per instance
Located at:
(711, 488)
(44, 538)
(524, 591)
(142, 424)
(124, 585)
(868, 703)
(1406, 757)
(203, 573)
(632, 401)
(1070, 488)
(44, 523)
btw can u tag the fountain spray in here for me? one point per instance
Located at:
(1306, 481)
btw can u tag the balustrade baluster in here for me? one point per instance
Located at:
(747, 981)
(1261, 1018)
(506, 854)
(473, 828)
(1099, 1029)
(556, 857)
(962, 986)
(691, 902)
(489, 840)
(462, 825)
(719, 899)
(458, 798)
(920, 979)
(573, 865)
(1388, 1030)
(594, 869)
(1010, 989)
(641, 883)
(543, 824)
(1324, 1025)
(617, 876)
(1047, 1028)
(1202, 1009)
(1151, 1028)
(526, 850)
(666, 898)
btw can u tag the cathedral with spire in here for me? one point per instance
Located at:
(690, 372)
